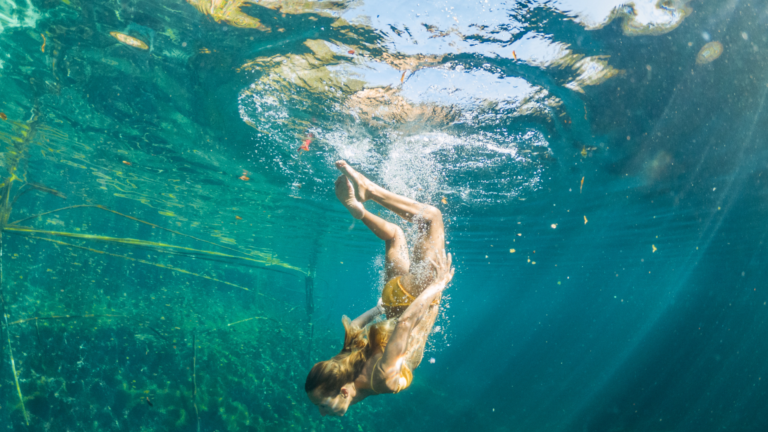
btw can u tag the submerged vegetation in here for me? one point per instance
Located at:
(87, 346)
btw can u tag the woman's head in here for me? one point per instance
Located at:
(330, 386)
(330, 383)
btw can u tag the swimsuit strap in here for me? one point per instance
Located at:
(402, 288)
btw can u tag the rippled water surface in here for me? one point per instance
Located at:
(174, 258)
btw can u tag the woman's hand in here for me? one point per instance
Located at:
(442, 268)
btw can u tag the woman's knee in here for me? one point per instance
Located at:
(432, 214)
(398, 235)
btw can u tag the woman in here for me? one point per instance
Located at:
(380, 358)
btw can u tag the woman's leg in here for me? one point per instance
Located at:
(397, 261)
(428, 218)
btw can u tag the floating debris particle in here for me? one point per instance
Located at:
(238, 217)
(709, 53)
(584, 151)
(511, 251)
(402, 77)
(582, 185)
(585, 220)
(306, 143)
(654, 248)
(127, 163)
(244, 177)
(149, 402)
(351, 52)
(129, 40)
(42, 48)
(3, 116)
(432, 360)
(553, 226)
(514, 55)
(444, 200)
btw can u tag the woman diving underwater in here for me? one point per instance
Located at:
(380, 357)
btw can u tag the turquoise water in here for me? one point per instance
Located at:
(599, 167)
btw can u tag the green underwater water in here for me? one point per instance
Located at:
(173, 260)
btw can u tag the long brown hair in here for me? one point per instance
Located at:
(331, 375)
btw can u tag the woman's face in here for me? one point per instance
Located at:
(335, 406)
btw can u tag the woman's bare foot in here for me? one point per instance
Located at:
(346, 194)
(361, 184)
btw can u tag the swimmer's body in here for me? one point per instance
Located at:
(383, 362)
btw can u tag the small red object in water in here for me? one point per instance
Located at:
(514, 55)
(238, 218)
(3, 116)
(305, 144)
(244, 177)
(126, 162)
(351, 52)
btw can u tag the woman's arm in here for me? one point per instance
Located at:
(394, 353)
(369, 315)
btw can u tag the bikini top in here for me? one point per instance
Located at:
(378, 375)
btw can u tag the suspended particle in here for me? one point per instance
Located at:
(511, 251)
(350, 52)
(3, 116)
(305, 144)
(129, 40)
(444, 200)
(709, 53)
(553, 226)
(654, 248)
(585, 220)
(127, 163)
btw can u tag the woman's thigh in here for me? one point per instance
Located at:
(397, 261)
(430, 243)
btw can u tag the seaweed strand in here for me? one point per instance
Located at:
(239, 322)
(144, 262)
(35, 319)
(8, 335)
(194, 378)
(101, 207)
(135, 242)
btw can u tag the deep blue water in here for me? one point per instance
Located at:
(602, 191)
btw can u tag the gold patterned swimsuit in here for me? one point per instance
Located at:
(396, 299)
(379, 381)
